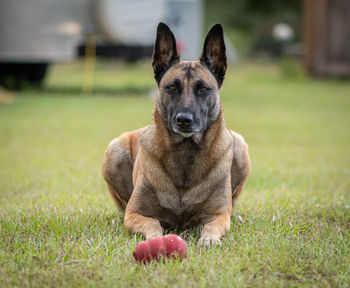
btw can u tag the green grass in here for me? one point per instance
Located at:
(59, 225)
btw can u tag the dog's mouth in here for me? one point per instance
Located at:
(185, 133)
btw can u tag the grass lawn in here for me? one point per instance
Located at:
(60, 227)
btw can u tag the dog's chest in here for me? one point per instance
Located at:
(175, 201)
(182, 212)
(181, 165)
(189, 170)
(178, 211)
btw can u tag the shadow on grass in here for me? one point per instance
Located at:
(97, 90)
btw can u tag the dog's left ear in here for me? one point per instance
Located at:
(165, 52)
(214, 53)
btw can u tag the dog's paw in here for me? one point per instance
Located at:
(208, 242)
(154, 234)
(152, 229)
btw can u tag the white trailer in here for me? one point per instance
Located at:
(34, 33)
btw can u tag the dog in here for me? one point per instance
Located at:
(187, 168)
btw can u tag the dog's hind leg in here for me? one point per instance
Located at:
(118, 166)
(121, 204)
(117, 171)
(240, 166)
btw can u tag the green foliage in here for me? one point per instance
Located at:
(248, 23)
(247, 14)
(291, 68)
(60, 228)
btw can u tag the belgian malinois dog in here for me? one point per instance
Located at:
(187, 168)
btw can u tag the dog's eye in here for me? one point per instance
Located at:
(172, 88)
(203, 89)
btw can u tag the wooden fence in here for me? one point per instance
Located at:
(327, 37)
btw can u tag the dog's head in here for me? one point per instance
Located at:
(188, 99)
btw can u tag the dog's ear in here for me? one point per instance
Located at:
(165, 52)
(214, 53)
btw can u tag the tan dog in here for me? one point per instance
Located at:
(187, 168)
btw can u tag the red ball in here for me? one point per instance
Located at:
(170, 246)
(175, 246)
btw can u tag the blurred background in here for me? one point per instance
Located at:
(74, 74)
(303, 36)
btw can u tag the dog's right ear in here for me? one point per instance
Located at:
(214, 53)
(165, 52)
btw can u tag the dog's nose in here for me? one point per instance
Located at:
(184, 119)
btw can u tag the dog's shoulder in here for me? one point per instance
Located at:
(238, 140)
(127, 143)
(240, 150)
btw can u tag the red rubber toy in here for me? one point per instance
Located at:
(169, 246)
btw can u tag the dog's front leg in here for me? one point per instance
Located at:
(140, 210)
(212, 231)
(148, 227)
